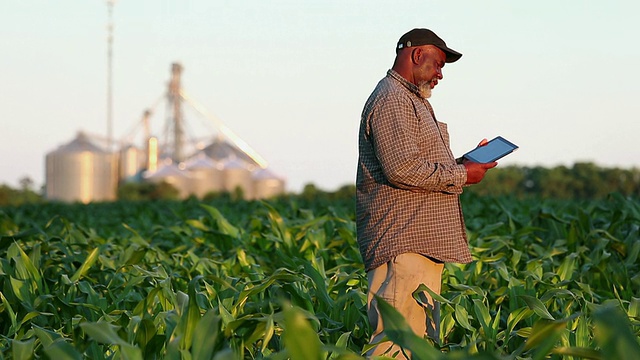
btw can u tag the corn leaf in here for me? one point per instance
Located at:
(59, 349)
(319, 284)
(45, 336)
(483, 316)
(103, 332)
(22, 350)
(634, 307)
(268, 333)
(191, 317)
(462, 317)
(614, 335)
(32, 272)
(436, 297)
(398, 331)
(579, 352)
(516, 316)
(340, 344)
(205, 336)
(537, 306)
(301, 341)
(544, 335)
(12, 315)
(223, 224)
(86, 265)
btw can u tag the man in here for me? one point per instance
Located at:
(408, 183)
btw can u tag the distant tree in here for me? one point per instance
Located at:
(26, 183)
(310, 192)
(507, 180)
(147, 191)
(10, 196)
(346, 192)
(164, 190)
(238, 193)
(217, 195)
(5, 195)
(558, 183)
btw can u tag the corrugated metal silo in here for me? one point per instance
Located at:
(237, 174)
(172, 174)
(131, 161)
(81, 171)
(206, 175)
(266, 184)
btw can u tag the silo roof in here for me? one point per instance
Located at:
(166, 170)
(80, 144)
(264, 174)
(221, 150)
(201, 161)
(235, 163)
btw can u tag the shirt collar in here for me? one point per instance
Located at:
(411, 87)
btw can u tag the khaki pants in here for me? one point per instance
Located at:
(395, 282)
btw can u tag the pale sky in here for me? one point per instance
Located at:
(290, 77)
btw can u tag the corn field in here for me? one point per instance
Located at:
(283, 279)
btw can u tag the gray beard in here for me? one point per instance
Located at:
(425, 90)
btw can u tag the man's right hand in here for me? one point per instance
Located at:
(476, 171)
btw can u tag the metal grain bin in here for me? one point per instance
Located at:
(81, 171)
(266, 184)
(222, 150)
(131, 162)
(206, 175)
(172, 174)
(237, 175)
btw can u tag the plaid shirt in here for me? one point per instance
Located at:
(408, 181)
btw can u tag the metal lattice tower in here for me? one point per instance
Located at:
(175, 103)
(110, 4)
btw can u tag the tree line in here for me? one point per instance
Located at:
(23, 195)
(583, 180)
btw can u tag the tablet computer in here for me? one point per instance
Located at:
(492, 151)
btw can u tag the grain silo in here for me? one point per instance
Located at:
(222, 150)
(237, 175)
(132, 162)
(81, 171)
(170, 173)
(206, 175)
(266, 184)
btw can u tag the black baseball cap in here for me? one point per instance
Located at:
(419, 37)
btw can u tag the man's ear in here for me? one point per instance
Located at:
(416, 55)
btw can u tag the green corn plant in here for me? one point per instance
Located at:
(150, 279)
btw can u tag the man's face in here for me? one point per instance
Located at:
(429, 69)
